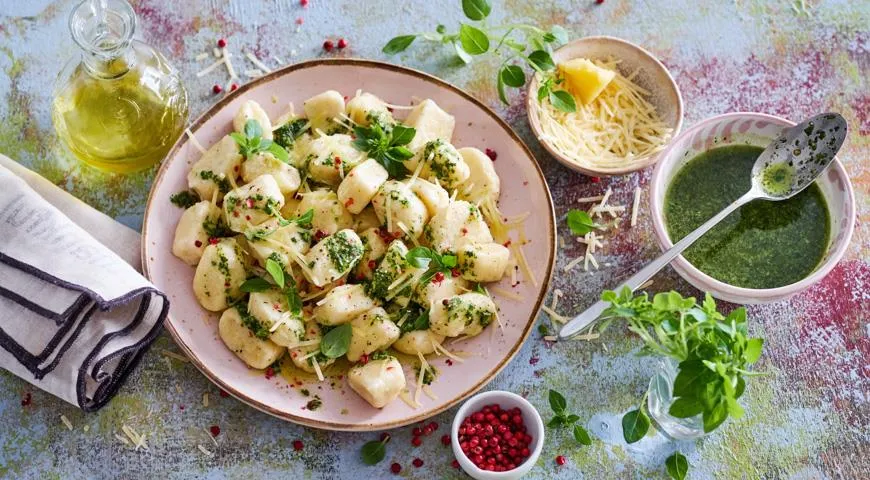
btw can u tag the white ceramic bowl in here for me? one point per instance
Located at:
(506, 400)
(651, 75)
(749, 129)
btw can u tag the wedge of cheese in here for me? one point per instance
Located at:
(585, 79)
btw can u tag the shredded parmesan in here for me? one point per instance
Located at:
(406, 397)
(122, 439)
(216, 52)
(205, 399)
(205, 451)
(619, 126)
(256, 61)
(424, 365)
(229, 63)
(443, 351)
(553, 315)
(501, 292)
(138, 441)
(174, 355)
(202, 56)
(205, 71)
(254, 73)
(634, 206)
(317, 368)
(66, 422)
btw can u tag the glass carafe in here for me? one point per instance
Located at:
(119, 106)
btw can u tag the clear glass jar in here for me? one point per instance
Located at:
(119, 106)
(659, 400)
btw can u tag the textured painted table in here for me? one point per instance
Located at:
(809, 418)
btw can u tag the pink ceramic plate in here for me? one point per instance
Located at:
(195, 329)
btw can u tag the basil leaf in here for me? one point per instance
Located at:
(373, 452)
(239, 138)
(402, 135)
(635, 424)
(557, 402)
(543, 92)
(255, 284)
(305, 218)
(557, 421)
(420, 322)
(580, 222)
(715, 416)
(581, 435)
(563, 101)
(400, 153)
(448, 261)
(560, 34)
(513, 76)
(499, 82)
(398, 44)
(476, 9)
(276, 270)
(279, 152)
(294, 301)
(336, 341)
(572, 418)
(473, 40)
(542, 60)
(420, 257)
(479, 289)
(753, 350)
(253, 129)
(677, 466)
(685, 407)
(692, 375)
(461, 53)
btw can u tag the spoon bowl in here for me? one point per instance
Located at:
(789, 164)
(798, 156)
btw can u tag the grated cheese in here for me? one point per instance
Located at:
(202, 56)
(216, 52)
(280, 62)
(205, 399)
(443, 351)
(406, 397)
(553, 315)
(205, 451)
(634, 206)
(619, 126)
(174, 355)
(66, 422)
(229, 63)
(253, 73)
(501, 292)
(210, 436)
(122, 439)
(205, 71)
(256, 61)
(424, 365)
(317, 368)
(136, 439)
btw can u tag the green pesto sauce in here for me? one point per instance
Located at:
(764, 244)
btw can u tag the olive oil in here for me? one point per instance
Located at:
(121, 106)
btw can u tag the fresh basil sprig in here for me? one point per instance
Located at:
(425, 257)
(562, 418)
(473, 40)
(284, 282)
(677, 466)
(714, 352)
(252, 142)
(386, 145)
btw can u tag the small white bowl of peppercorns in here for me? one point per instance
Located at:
(497, 435)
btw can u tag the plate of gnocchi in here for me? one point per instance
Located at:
(349, 244)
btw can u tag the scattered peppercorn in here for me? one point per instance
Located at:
(222, 43)
(395, 468)
(445, 440)
(342, 43)
(304, 3)
(560, 460)
(328, 45)
(416, 441)
(491, 154)
(418, 462)
(595, 179)
(234, 87)
(215, 430)
(217, 88)
(222, 393)
(298, 445)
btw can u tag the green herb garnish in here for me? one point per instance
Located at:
(252, 142)
(258, 328)
(677, 466)
(580, 222)
(336, 341)
(562, 418)
(374, 451)
(255, 284)
(635, 424)
(425, 257)
(184, 199)
(386, 145)
(419, 320)
(284, 282)
(713, 351)
(472, 40)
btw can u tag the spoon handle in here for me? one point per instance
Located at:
(591, 314)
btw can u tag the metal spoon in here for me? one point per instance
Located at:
(788, 165)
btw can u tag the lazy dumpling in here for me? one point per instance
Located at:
(211, 173)
(191, 233)
(255, 349)
(333, 257)
(379, 381)
(220, 273)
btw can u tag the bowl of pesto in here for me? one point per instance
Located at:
(765, 251)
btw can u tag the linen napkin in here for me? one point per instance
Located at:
(75, 315)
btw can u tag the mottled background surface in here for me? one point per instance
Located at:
(809, 418)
